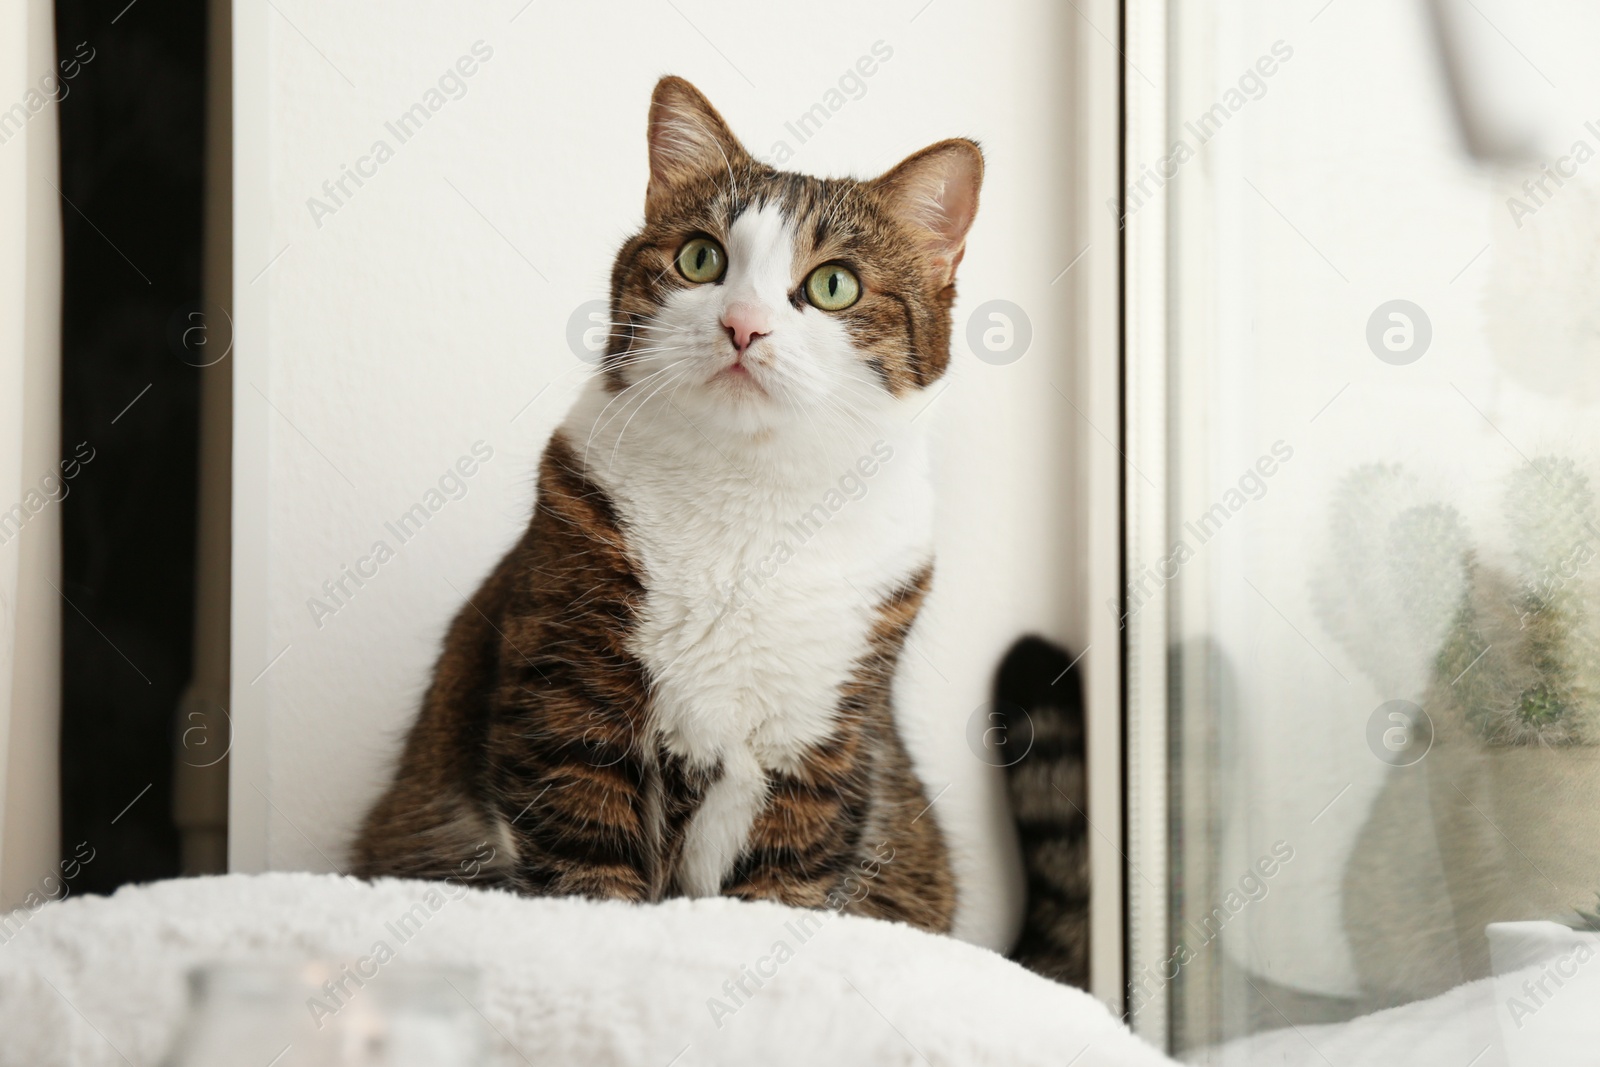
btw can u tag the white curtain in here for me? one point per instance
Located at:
(30, 386)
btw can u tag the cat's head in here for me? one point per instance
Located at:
(758, 298)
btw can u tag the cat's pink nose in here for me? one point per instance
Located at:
(745, 323)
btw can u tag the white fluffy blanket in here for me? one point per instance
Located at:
(100, 980)
(1538, 1010)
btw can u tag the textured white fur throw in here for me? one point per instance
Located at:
(100, 980)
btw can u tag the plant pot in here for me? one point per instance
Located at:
(1546, 801)
(1483, 834)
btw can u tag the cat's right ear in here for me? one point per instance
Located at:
(935, 192)
(687, 138)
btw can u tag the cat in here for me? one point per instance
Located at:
(1039, 694)
(678, 682)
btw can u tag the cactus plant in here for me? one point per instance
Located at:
(1392, 590)
(1406, 593)
(1545, 691)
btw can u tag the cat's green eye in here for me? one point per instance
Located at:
(832, 287)
(701, 260)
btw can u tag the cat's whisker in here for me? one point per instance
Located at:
(671, 398)
(597, 427)
(632, 388)
(637, 354)
(641, 407)
(638, 326)
(649, 364)
(629, 361)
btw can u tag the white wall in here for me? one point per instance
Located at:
(376, 344)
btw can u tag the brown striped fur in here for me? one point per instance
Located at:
(1040, 696)
(537, 712)
(533, 713)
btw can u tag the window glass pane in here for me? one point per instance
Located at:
(1383, 579)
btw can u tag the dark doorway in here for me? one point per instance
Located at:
(132, 154)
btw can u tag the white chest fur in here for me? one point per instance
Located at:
(763, 570)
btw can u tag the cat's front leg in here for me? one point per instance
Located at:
(573, 795)
(803, 840)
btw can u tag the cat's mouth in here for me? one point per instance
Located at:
(738, 377)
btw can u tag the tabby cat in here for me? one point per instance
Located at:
(678, 681)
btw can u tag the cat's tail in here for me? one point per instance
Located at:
(1039, 696)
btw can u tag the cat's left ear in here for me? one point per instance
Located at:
(935, 193)
(687, 138)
